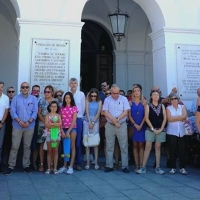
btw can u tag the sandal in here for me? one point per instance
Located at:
(48, 171)
(41, 168)
(96, 167)
(87, 167)
(55, 171)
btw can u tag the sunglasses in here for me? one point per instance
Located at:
(108, 94)
(93, 95)
(59, 95)
(47, 92)
(103, 85)
(11, 91)
(24, 87)
(173, 99)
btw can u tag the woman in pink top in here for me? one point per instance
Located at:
(68, 114)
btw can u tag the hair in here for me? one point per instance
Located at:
(122, 91)
(50, 88)
(53, 102)
(103, 81)
(172, 94)
(10, 87)
(61, 91)
(73, 80)
(72, 103)
(152, 91)
(35, 86)
(1, 82)
(93, 90)
(114, 86)
(136, 86)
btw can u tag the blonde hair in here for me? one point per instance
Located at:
(141, 96)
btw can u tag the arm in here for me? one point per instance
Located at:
(147, 116)
(72, 124)
(99, 111)
(177, 118)
(41, 118)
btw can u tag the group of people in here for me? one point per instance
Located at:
(107, 112)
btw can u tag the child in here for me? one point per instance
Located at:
(52, 120)
(68, 115)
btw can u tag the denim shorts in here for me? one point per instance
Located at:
(72, 131)
(48, 138)
(152, 137)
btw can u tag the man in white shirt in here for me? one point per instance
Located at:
(193, 108)
(4, 107)
(79, 98)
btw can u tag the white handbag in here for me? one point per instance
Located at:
(91, 139)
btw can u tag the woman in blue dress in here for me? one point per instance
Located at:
(136, 117)
(91, 122)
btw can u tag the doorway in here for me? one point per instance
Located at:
(96, 56)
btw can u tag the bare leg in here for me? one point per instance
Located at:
(35, 156)
(96, 155)
(141, 152)
(157, 152)
(146, 153)
(136, 155)
(55, 157)
(41, 154)
(49, 154)
(87, 151)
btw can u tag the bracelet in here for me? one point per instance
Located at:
(92, 122)
(29, 121)
(19, 121)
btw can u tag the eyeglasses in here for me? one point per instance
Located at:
(93, 95)
(173, 99)
(47, 92)
(103, 85)
(108, 93)
(59, 95)
(115, 93)
(11, 91)
(24, 87)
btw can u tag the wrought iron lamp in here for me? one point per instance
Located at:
(118, 22)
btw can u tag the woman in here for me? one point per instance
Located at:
(136, 117)
(176, 115)
(42, 111)
(155, 117)
(91, 122)
(198, 115)
(58, 95)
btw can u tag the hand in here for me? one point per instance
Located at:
(63, 134)
(22, 124)
(67, 135)
(26, 124)
(117, 125)
(157, 131)
(91, 126)
(114, 121)
(137, 127)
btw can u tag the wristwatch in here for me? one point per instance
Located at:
(92, 122)
(152, 128)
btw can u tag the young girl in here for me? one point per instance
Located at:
(52, 120)
(91, 122)
(68, 115)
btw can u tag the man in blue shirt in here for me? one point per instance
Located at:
(23, 111)
(104, 88)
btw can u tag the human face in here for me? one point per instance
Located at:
(10, 93)
(104, 86)
(174, 101)
(59, 96)
(1, 88)
(24, 88)
(93, 96)
(73, 85)
(67, 99)
(155, 96)
(48, 93)
(36, 91)
(108, 93)
(136, 92)
(53, 107)
(115, 93)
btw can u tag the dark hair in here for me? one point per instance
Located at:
(72, 103)
(93, 90)
(1, 82)
(53, 102)
(49, 87)
(122, 91)
(35, 86)
(152, 91)
(138, 85)
(62, 92)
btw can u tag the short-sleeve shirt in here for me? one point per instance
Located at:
(4, 104)
(67, 115)
(116, 107)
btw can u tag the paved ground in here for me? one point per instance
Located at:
(96, 184)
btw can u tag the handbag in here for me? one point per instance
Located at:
(188, 127)
(91, 139)
(45, 145)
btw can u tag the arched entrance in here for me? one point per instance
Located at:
(96, 56)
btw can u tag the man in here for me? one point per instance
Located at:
(193, 108)
(24, 110)
(115, 109)
(34, 145)
(4, 106)
(79, 98)
(104, 88)
(7, 142)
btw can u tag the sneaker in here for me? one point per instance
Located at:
(158, 170)
(9, 171)
(70, 170)
(125, 170)
(141, 170)
(182, 171)
(28, 170)
(55, 171)
(172, 171)
(62, 170)
(48, 171)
